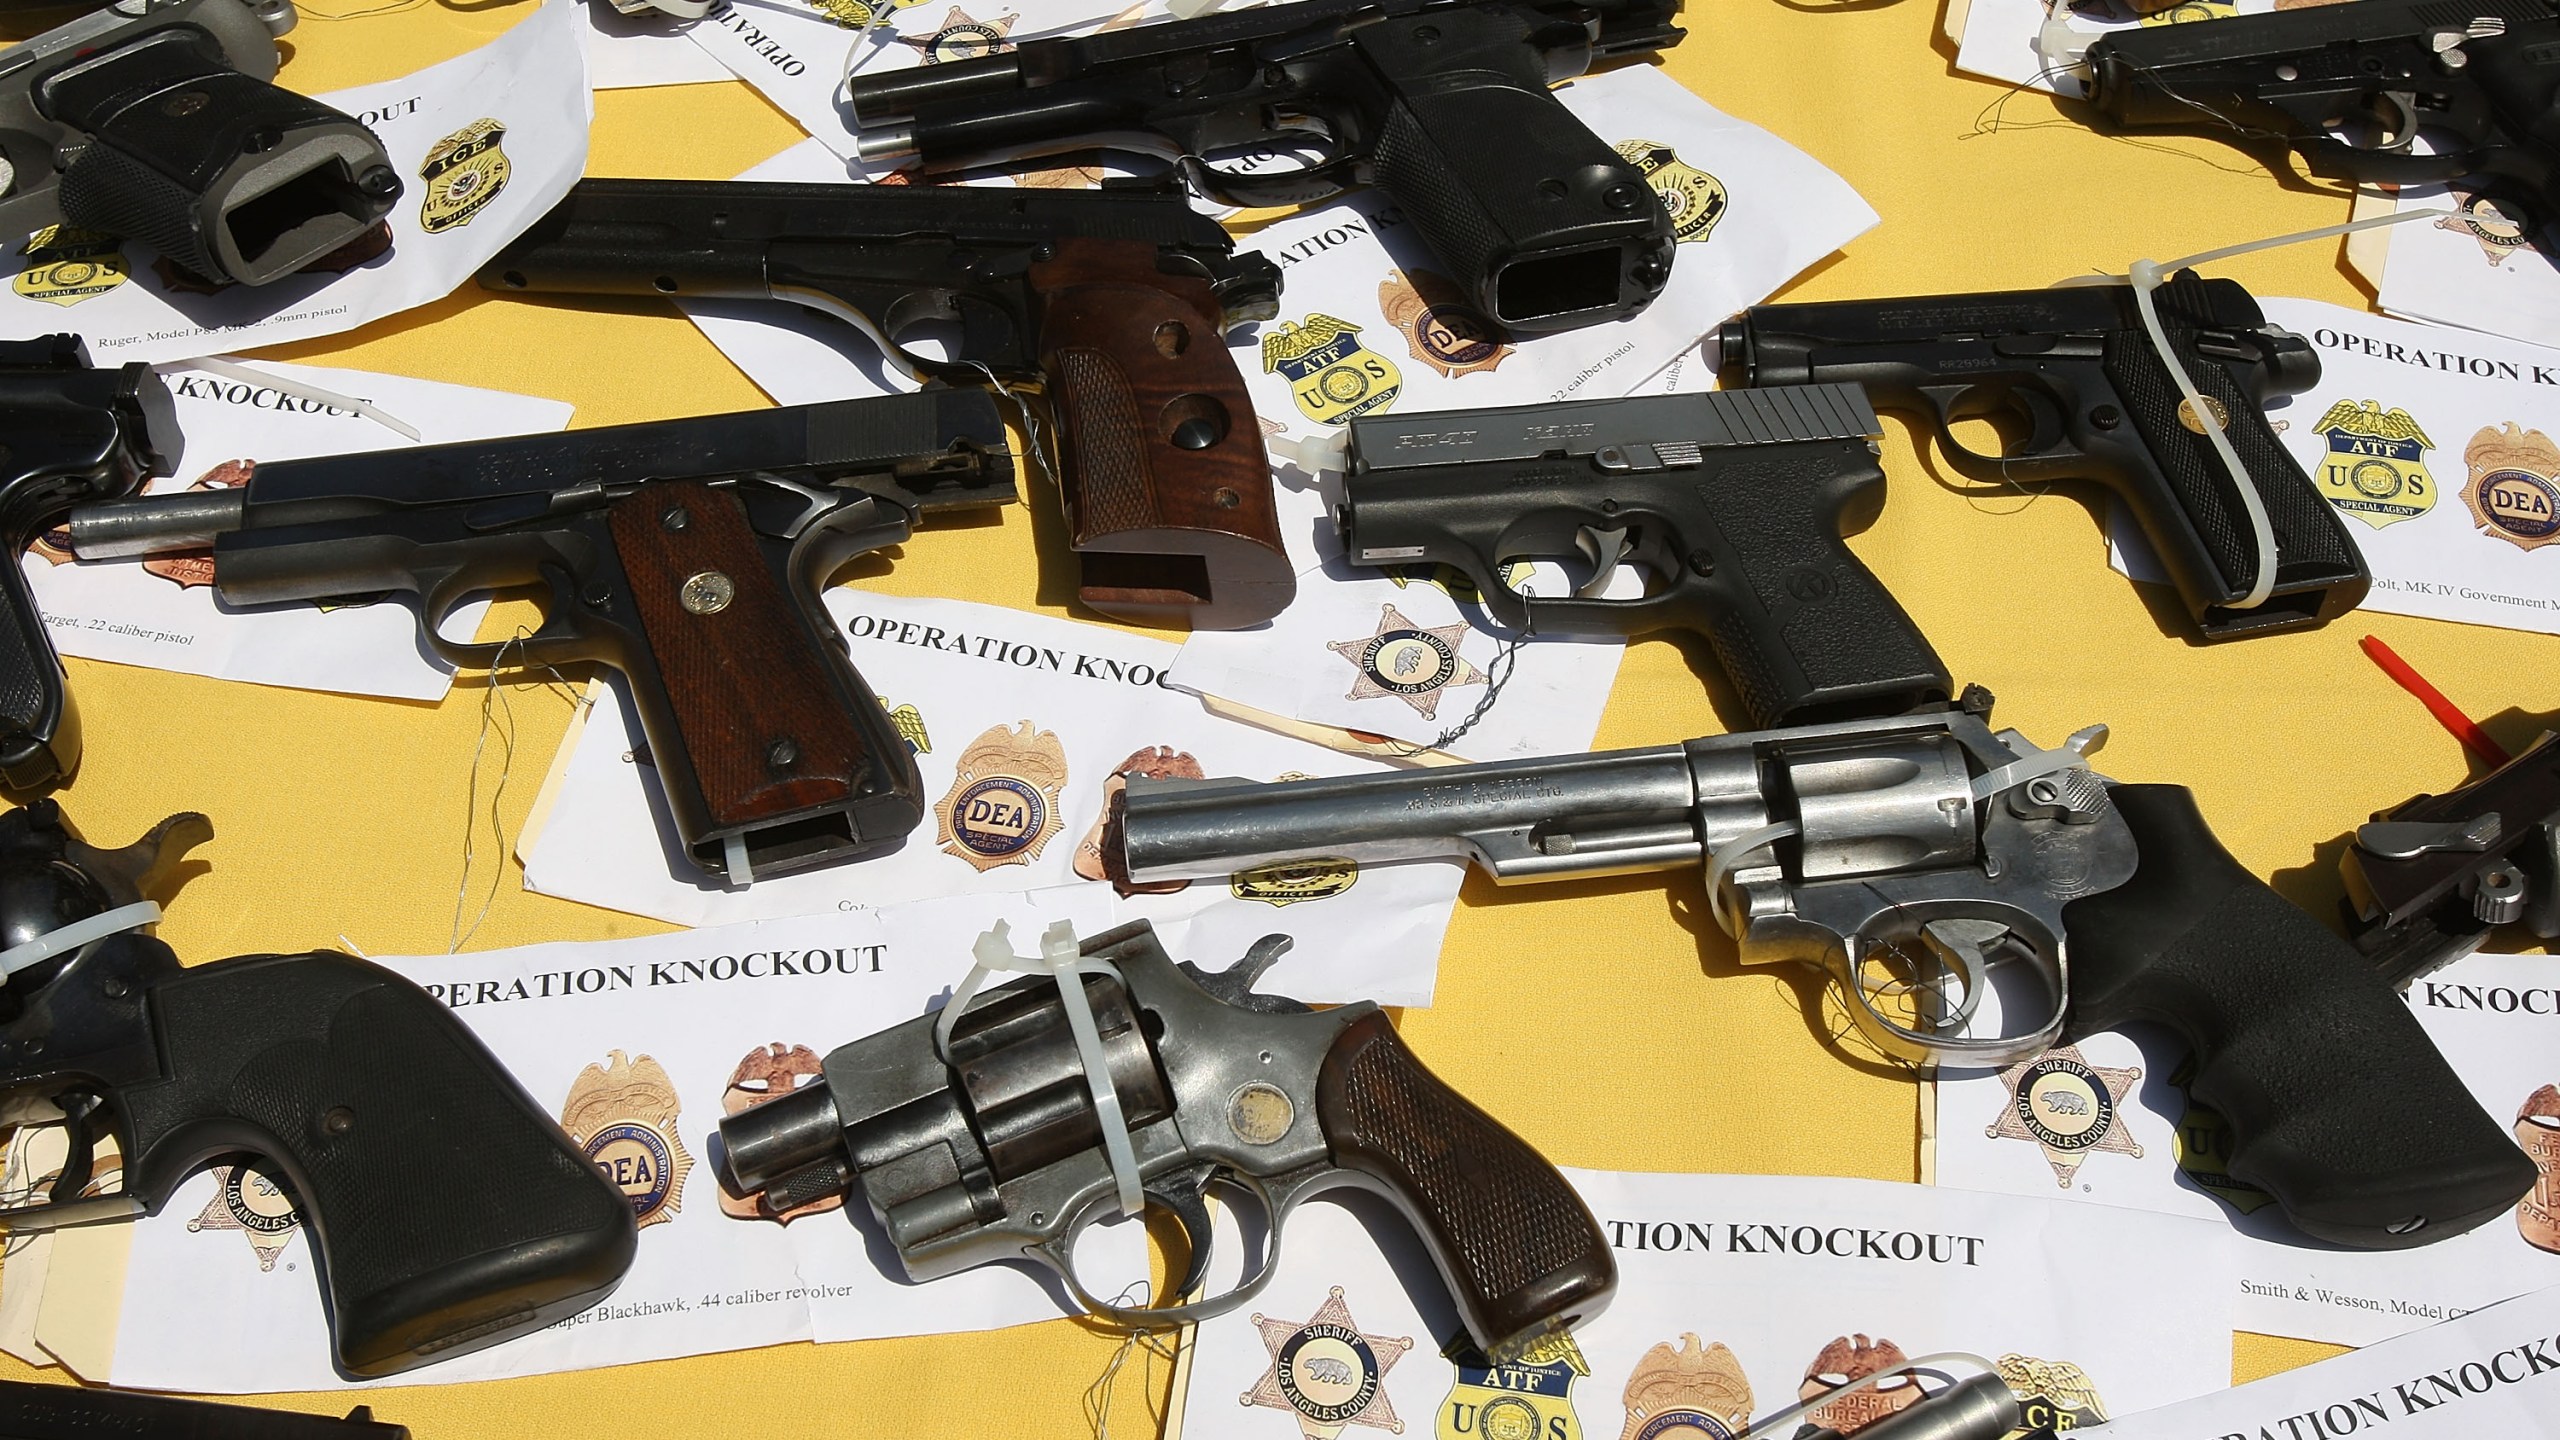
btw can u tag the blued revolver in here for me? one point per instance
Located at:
(448, 1212)
(2074, 366)
(1734, 501)
(992, 1150)
(1974, 896)
(687, 554)
(1114, 303)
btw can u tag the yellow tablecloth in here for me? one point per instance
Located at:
(1606, 1021)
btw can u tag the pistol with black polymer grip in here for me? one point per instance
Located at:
(1975, 897)
(1443, 104)
(993, 1149)
(1735, 501)
(2348, 88)
(690, 555)
(446, 1210)
(70, 434)
(154, 120)
(1114, 304)
(2429, 879)
(2073, 367)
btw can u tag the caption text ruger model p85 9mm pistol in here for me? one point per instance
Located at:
(1441, 103)
(1974, 897)
(687, 554)
(1115, 304)
(154, 120)
(1733, 502)
(986, 1143)
(2074, 365)
(446, 1210)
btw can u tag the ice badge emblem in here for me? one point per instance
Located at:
(1696, 199)
(1326, 1371)
(1331, 375)
(2487, 224)
(66, 266)
(1529, 1399)
(2376, 467)
(2055, 1397)
(623, 1114)
(1441, 329)
(2512, 491)
(2069, 1108)
(2202, 1145)
(247, 1199)
(1687, 1394)
(1847, 1360)
(1408, 661)
(765, 1074)
(1003, 804)
(464, 171)
(959, 37)
(2538, 1132)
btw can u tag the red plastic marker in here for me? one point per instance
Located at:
(2473, 738)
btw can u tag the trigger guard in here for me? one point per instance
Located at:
(1919, 1047)
(552, 642)
(1058, 1255)
(1260, 192)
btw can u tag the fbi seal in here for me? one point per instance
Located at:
(2489, 225)
(768, 1073)
(1326, 1371)
(1154, 762)
(2538, 1132)
(1687, 1394)
(959, 37)
(2055, 1397)
(2376, 468)
(248, 1199)
(623, 1115)
(1696, 199)
(1847, 1360)
(1331, 375)
(2202, 1145)
(66, 265)
(1002, 806)
(464, 171)
(1441, 329)
(1287, 882)
(1414, 663)
(2512, 492)
(2067, 1107)
(1529, 1399)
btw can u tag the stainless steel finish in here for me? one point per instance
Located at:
(1674, 428)
(1981, 1407)
(156, 525)
(886, 142)
(2500, 897)
(1868, 807)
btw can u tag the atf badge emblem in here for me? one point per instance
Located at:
(1696, 199)
(2538, 1133)
(1529, 1399)
(1441, 329)
(1153, 762)
(1003, 804)
(2498, 235)
(1286, 882)
(1411, 662)
(1687, 1394)
(1847, 1360)
(247, 1199)
(959, 37)
(623, 1115)
(464, 171)
(2513, 492)
(2376, 468)
(1326, 1371)
(1331, 375)
(2055, 1397)
(2202, 1145)
(2069, 1108)
(66, 265)
(768, 1073)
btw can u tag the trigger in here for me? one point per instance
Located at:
(1959, 945)
(80, 1162)
(1602, 549)
(1184, 1196)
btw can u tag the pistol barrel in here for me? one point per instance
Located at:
(125, 529)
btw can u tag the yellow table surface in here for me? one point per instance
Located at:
(1605, 1021)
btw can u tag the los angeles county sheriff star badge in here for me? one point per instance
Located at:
(2498, 235)
(2054, 1396)
(1529, 1399)
(2068, 1107)
(2376, 468)
(623, 1115)
(2514, 490)
(1408, 661)
(248, 1200)
(959, 37)
(1687, 1394)
(1326, 1371)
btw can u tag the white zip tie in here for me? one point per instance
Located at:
(2074, 755)
(1062, 959)
(1731, 853)
(76, 934)
(230, 369)
(1314, 454)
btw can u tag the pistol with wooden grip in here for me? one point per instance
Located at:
(1113, 304)
(991, 1149)
(446, 1210)
(690, 555)
(1975, 897)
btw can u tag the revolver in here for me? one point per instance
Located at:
(154, 120)
(447, 1211)
(687, 554)
(2075, 369)
(1115, 303)
(1443, 103)
(2349, 87)
(1737, 500)
(2428, 879)
(69, 435)
(989, 1148)
(1950, 879)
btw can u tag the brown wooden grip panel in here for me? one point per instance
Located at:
(758, 724)
(1165, 482)
(1518, 1248)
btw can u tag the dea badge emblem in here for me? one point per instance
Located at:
(2067, 1107)
(1529, 1399)
(2513, 493)
(1002, 806)
(1440, 328)
(464, 171)
(66, 265)
(2055, 1397)
(1326, 1371)
(1687, 1394)
(2376, 468)
(1331, 375)
(1696, 199)
(1411, 662)
(623, 1115)
(247, 1199)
